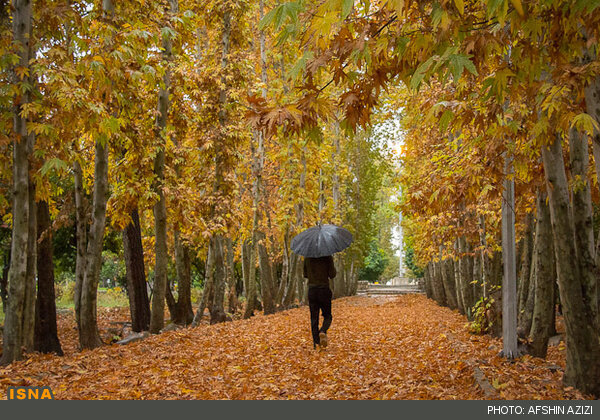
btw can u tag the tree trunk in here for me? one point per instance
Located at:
(157, 318)
(300, 280)
(447, 269)
(495, 294)
(266, 276)
(183, 313)
(466, 277)
(428, 284)
(543, 312)
(208, 286)
(29, 308)
(4, 281)
(477, 276)
(46, 333)
(249, 274)
(80, 238)
(139, 304)
(583, 222)
(339, 288)
(290, 294)
(583, 341)
(285, 269)
(483, 255)
(217, 310)
(89, 336)
(17, 283)
(231, 282)
(509, 281)
(525, 264)
(524, 321)
(457, 287)
(438, 285)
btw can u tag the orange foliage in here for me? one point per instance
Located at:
(380, 348)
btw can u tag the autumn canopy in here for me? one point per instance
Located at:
(166, 153)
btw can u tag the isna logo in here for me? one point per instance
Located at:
(29, 393)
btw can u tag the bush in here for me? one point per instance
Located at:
(65, 292)
(196, 294)
(481, 323)
(113, 270)
(374, 263)
(114, 297)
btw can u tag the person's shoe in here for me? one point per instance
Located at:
(323, 339)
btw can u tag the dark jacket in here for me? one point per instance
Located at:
(318, 271)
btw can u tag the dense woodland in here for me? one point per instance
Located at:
(205, 135)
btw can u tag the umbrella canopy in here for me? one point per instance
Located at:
(321, 240)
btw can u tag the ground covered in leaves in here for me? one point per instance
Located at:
(404, 347)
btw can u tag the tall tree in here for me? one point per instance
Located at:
(137, 290)
(159, 289)
(583, 341)
(14, 334)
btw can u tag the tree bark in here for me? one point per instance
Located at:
(157, 318)
(428, 284)
(81, 238)
(217, 310)
(525, 264)
(17, 283)
(466, 277)
(4, 281)
(231, 282)
(592, 102)
(266, 276)
(583, 341)
(495, 294)
(183, 313)
(437, 282)
(290, 293)
(285, 269)
(46, 332)
(477, 276)
(139, 304)
(29, 308)
(457, 287)
(543, 312)
(249, 274)
(89, 336)
(509, 281)
(583, 221)
(524, 321)
(208, 286)
(447, 269)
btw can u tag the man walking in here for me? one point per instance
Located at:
(318, 271)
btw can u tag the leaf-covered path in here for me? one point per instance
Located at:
(403, 347)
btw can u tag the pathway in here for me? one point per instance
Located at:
(398, 347)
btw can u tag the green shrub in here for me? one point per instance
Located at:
(65, 293)
(112, 298)
(196, 294)
(481, 323)
(374, 263)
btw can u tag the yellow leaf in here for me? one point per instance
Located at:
(460, 5)
(397, 5)
(518, 7)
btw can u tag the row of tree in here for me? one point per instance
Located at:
(513, 138)
(135, 117)
(507, 103)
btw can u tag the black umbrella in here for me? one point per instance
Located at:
(321, 240)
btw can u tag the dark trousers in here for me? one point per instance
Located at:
(319, 299)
